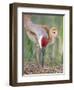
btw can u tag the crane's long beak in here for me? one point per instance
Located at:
(42, 52)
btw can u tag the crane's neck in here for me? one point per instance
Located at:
(51, 39)
(44, 41)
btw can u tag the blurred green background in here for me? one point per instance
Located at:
(54, 53)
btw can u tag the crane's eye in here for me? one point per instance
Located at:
(54, 32)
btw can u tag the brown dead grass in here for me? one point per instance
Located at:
(32, 68)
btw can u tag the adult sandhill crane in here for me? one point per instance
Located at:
(41, 35)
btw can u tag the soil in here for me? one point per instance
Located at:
(38, 69)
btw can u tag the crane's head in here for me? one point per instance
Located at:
(44, 41)
(53, 32)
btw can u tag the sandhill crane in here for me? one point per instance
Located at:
(41, 35)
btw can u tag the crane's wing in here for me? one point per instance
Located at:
(32, 36)
(46, 28)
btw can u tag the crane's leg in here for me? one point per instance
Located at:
(42, 53)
